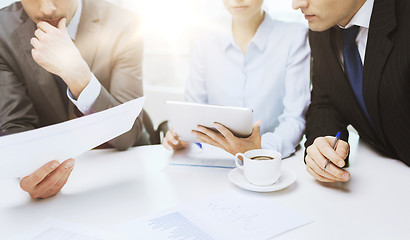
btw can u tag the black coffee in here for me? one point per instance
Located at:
(262, 158)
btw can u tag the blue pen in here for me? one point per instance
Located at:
(334, 145)
(199, 145)
(337, 138)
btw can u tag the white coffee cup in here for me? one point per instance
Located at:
(260, 167)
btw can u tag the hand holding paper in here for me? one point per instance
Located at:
(24, 153)
(48, 180)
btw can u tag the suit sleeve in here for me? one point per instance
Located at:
(126, 82)
(17, 112)
(322, 118)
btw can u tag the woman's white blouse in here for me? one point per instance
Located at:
(272, 78)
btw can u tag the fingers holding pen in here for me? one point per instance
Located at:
(323, 144)
(324, 163)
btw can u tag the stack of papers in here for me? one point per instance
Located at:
(207, 156)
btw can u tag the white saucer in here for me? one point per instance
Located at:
(286, 178)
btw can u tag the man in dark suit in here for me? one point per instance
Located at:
(64, 58)
(360, 76)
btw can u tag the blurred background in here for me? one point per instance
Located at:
(170, 29)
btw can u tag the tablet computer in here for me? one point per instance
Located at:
(185, 117)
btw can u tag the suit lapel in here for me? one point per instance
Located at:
(379, 46)
(336, 36)
(45, 80)
(87, 34)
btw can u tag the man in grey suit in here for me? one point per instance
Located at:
(63, 58)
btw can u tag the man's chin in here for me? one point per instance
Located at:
(317, 27)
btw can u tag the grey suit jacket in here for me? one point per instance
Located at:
(109, 40)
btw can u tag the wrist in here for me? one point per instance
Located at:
(77, 81)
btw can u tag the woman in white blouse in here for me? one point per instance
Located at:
(258, 63)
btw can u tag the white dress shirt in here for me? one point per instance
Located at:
(90, 93)
(361, 19)
(272, 78)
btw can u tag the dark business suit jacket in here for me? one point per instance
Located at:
(386, 83)
(108, 39)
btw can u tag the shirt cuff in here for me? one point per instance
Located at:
(273, 141)
(87, 96)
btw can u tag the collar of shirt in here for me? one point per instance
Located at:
(75, 21)
(362, 17)
(259, 40)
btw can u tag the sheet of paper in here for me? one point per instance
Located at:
(23, 153)
(208, 156)
(60, 230)
(231, 215)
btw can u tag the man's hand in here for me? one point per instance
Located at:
(172, 142)
(48, 180)
(223, 138)
(54, 50)
(320, 152)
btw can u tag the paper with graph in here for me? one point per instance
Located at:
(231, 215)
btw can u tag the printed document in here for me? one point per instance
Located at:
(60, 230)
(231, 215)
(23, 153)
(207, 156)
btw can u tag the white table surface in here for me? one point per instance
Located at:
(109, 187)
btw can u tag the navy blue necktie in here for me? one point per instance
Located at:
(353, 65)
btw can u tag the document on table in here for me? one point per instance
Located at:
(60, 230)
(231, 215)
(208, 156)
(23, 153)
